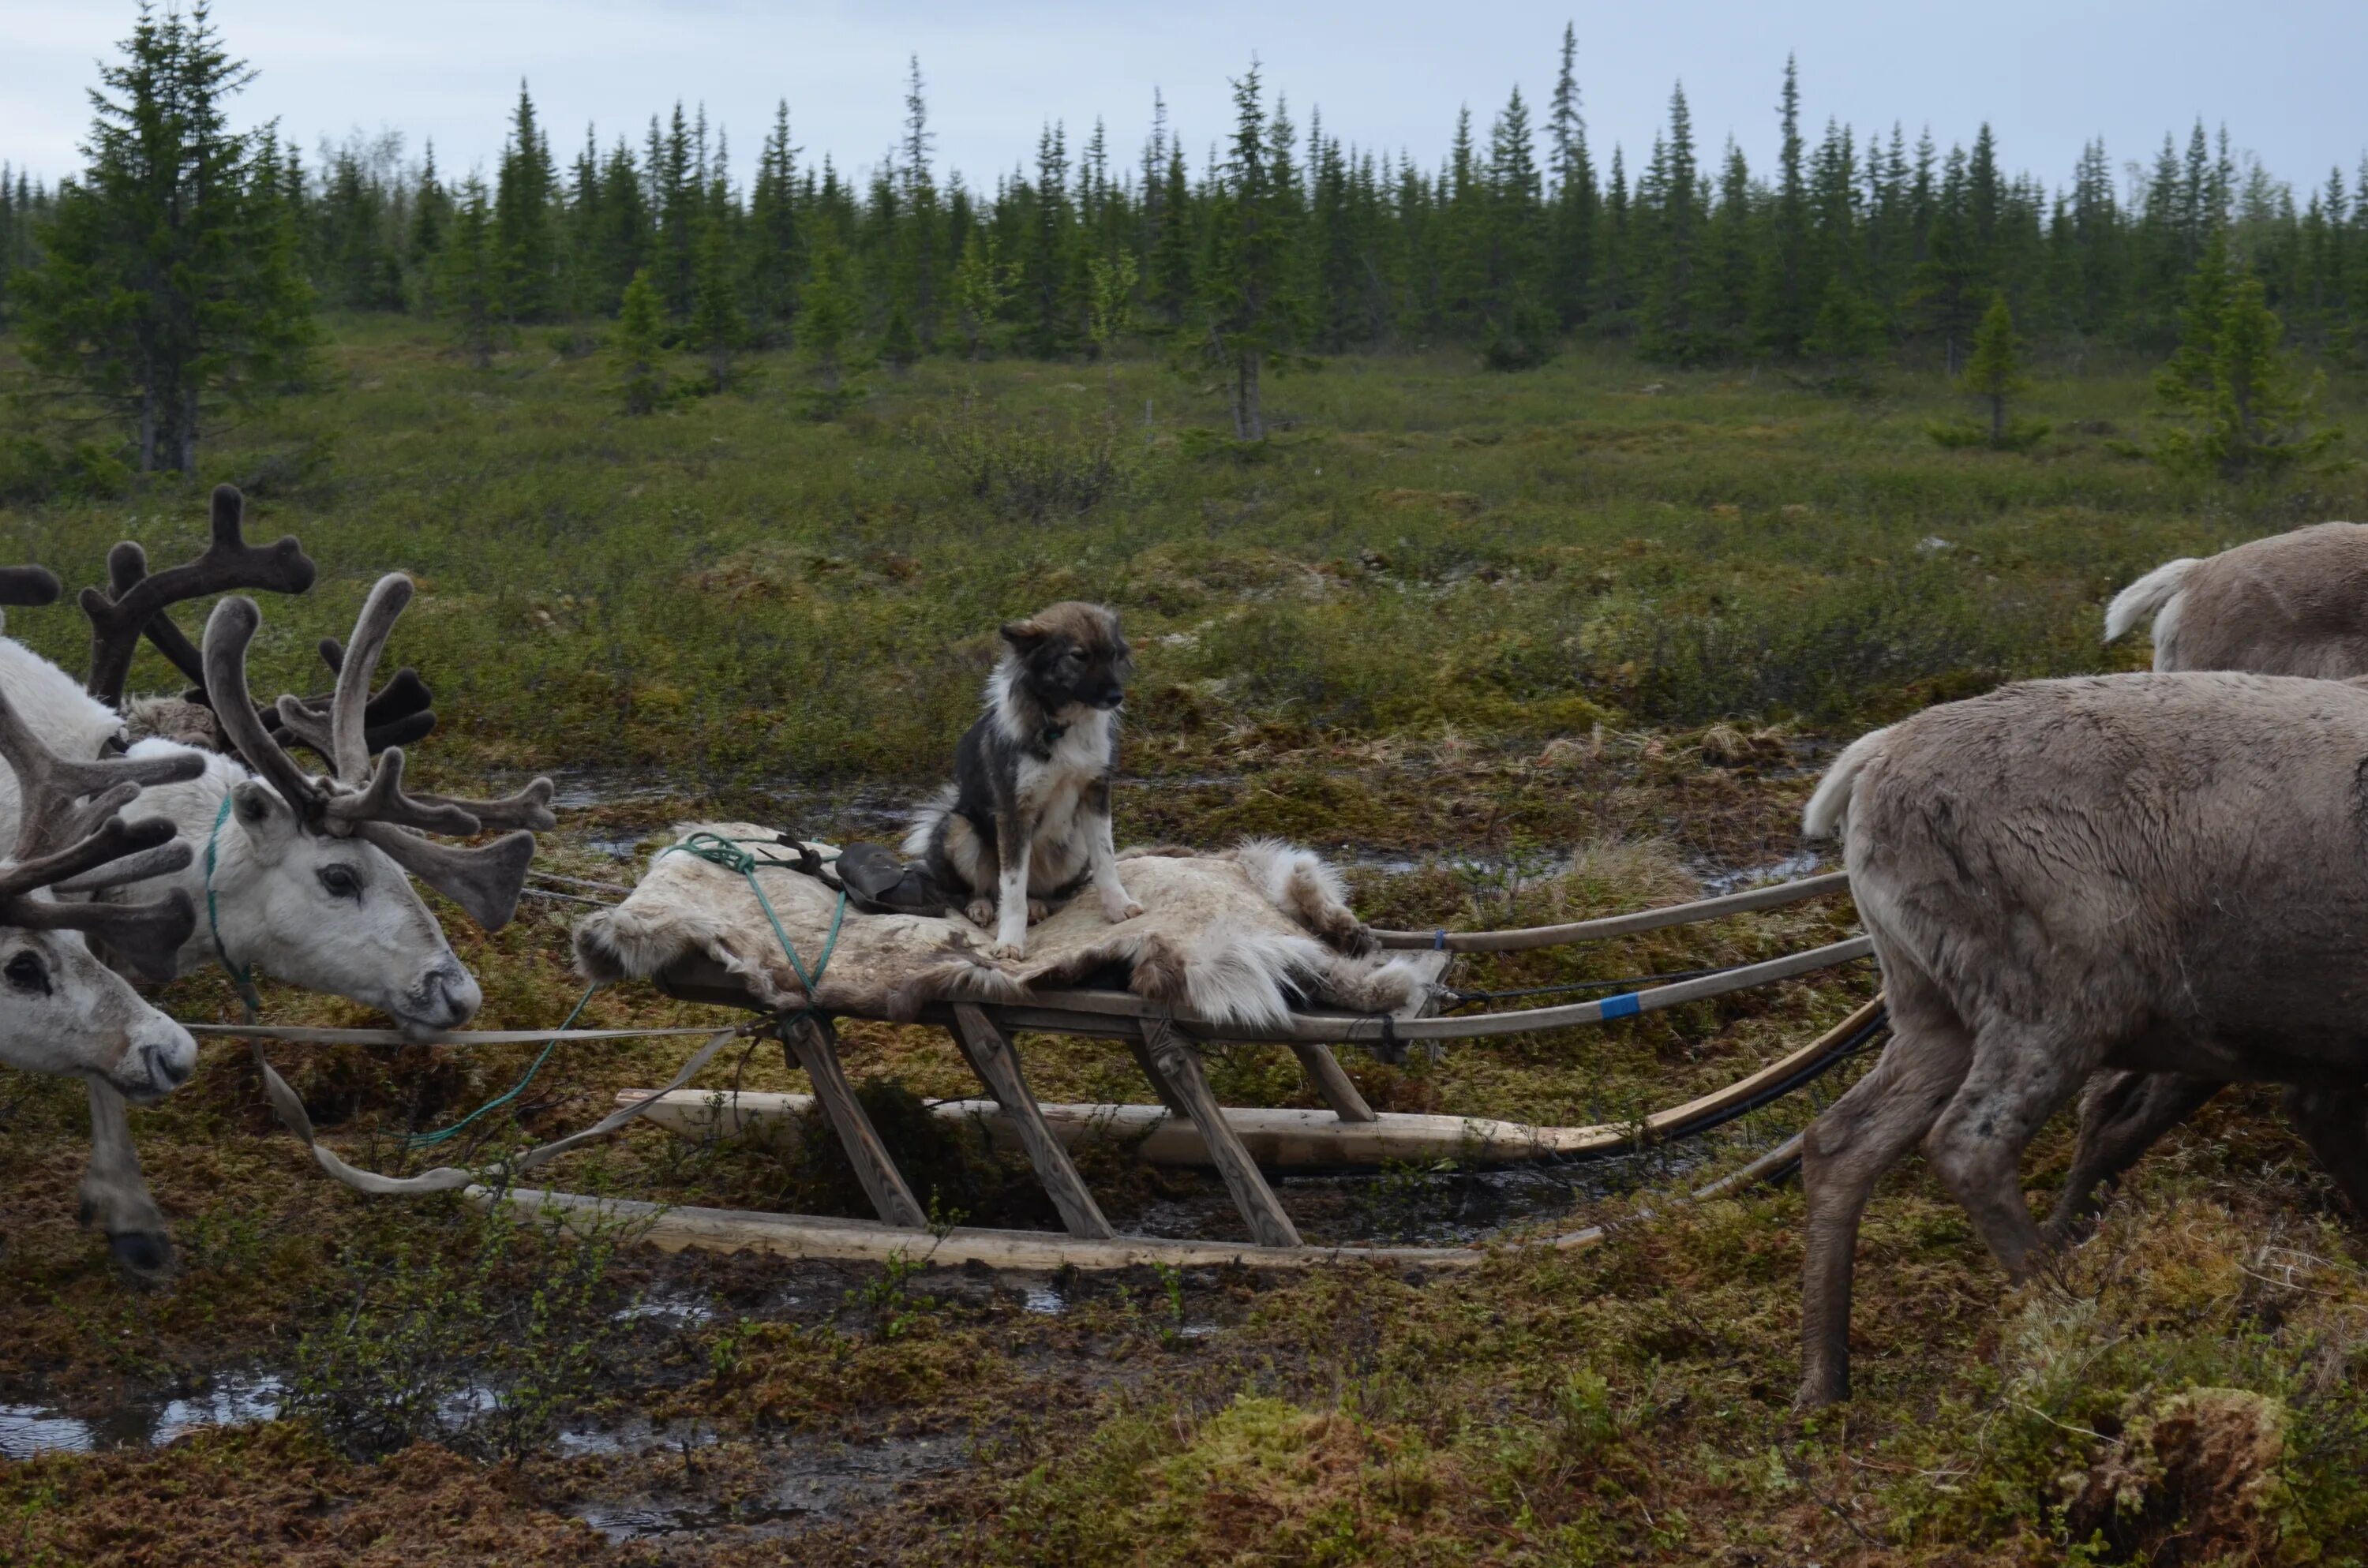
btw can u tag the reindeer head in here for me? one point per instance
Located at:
(323, 900)
(62, 1011)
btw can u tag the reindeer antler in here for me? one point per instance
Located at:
(401, 712)
(27, 585)
(366, 801)
(139, 601)
(71, 837)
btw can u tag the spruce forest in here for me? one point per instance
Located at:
(1524, 534)
(1857, 242)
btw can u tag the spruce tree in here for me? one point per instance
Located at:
(1575, 199)
(1994, 374)
(718, 330)
(827, 314)
(1249, 314)
(1173, 282)
(1784, 309)
(524, 227)
(1517, 321)
(1669, 331)
(168, 284)
(899, 347)
(635, 347)
(2252, 413)
(775, 237)
(470, 275)
(980, 288)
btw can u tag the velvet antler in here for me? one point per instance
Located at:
(27, 585)
(139, 602)
(71, 837)
(363, 798)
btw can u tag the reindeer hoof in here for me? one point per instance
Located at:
(145, 1255)
(981, 912)
(1819, 1392)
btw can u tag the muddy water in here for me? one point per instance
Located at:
(235, 1398)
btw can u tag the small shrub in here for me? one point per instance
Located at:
(33, 470)
(1033, 473)
(479, 1346)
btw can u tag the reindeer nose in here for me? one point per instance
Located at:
(450, 990)
(165, 1069)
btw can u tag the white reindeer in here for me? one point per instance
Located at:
(300, 877)
(61, 1010)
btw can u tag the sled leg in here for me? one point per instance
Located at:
(1331, 1081)
(1175, 1066)
(991, 1056)
(815, 1048)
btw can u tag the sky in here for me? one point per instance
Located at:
(1388, 74)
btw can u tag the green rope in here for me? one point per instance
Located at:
(426, 1139)
(726, 853)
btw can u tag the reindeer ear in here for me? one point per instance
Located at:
(1025, 636)
(267, 821)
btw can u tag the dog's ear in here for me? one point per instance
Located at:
(1025, 636)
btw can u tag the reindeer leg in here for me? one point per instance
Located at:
(2021, 1075)
(2121, 1115)
(2335, 1123)
(115, 1196)
(1847, 1149)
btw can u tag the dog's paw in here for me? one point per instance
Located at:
(1037, 910)
(981, 912)
(1007, 951)
(1117, 911)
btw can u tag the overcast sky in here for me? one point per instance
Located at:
(2048, 74)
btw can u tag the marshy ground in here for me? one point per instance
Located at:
(1513, 649)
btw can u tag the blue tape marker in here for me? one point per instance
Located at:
(1439, 940)
(1624, 1006)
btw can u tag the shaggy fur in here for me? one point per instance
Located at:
(2295, 604)
(1238, 937)
(2155, 873)
(1035, 770)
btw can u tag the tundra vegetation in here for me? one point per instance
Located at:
(1515, 646)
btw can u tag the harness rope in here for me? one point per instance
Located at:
(289, 1106)
(726, 853)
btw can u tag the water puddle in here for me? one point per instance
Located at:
(29, 1429)
(232, 1400)
(1735, 879)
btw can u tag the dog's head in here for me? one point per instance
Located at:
(1072, 654)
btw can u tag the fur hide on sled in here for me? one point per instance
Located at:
(1236, 938)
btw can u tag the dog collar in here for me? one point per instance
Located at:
(1050, 735)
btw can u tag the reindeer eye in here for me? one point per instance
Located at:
(28, 974)
(339, 881)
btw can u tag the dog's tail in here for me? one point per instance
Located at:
(1828, 809)
(2146, 595)
(926, 818)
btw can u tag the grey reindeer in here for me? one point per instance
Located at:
(2153, 874)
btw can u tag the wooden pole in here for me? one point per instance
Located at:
(998, 1066)
(1176, 1064)
(1331, 1081)
(891, 1198)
